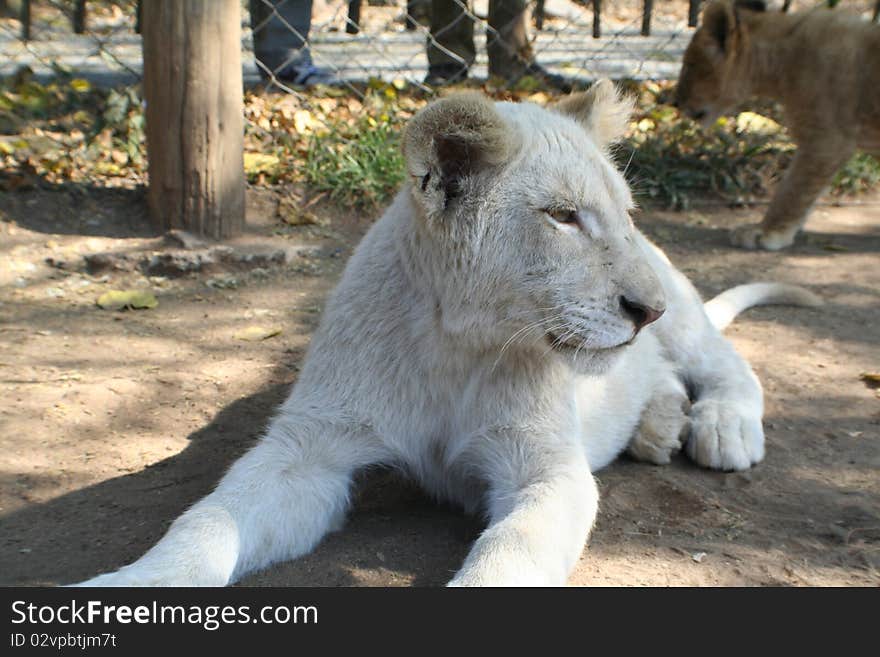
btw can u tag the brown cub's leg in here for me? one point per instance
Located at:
(810, 172)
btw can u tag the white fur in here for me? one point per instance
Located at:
(478, 342)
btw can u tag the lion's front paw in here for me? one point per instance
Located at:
(755, 236)
(662, 430)
(725, 436)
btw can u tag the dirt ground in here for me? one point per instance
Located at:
(112, 422)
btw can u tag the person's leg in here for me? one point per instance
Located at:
(281, 32)
(507, 40)
(451, 49)
(510, 52)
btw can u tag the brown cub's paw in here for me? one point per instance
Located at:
(755, 236)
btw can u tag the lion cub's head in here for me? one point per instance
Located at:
(713, 78)
(523, 230)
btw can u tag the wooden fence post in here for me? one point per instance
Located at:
(693, 12)
(597, 19)
(647, 10)
(24, 15)
(79, 17)
(195, 115)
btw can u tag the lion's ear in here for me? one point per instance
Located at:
(602, 110)
(451, 139)
(719, 22)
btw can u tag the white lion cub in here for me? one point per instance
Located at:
(502, 331)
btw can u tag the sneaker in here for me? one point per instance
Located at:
(305, 76)
(440, 76)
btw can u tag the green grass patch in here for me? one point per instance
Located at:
(356, 163)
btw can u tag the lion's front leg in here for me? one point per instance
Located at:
(664, 424)
(274, 504)
(726, 432)
(542, 505)
(727, 402)
(809, 173)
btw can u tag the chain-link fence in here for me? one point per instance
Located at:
(96, 40)
(302, 41)
(58, 127)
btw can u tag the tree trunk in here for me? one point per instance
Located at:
(195, 115)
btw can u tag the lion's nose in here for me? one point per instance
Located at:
(640, 313)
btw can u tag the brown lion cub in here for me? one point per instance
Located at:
(823, 66)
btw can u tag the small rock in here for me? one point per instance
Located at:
(98, 262)
(57, 263)
(222, 282)
(182, 238)
(698, 556)
(178, 263)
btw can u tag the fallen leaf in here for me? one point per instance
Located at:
(80, 85)
(120, 157)
(756, 124)
(871, 379)
(256, 333)
(304, 122)
(121, 299)
(257, 163)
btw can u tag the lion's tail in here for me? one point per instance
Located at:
(726, 306)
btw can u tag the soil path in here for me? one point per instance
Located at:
(111, 423)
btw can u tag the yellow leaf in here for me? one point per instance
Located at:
(257, 163)
(107, 169)
(121, 299)
(756, 124)
(303, 121)
(80, 85)
(6, 148)
(872, 379)
(256, 333)
(539, 98)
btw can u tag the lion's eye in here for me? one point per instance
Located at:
(563, 216)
